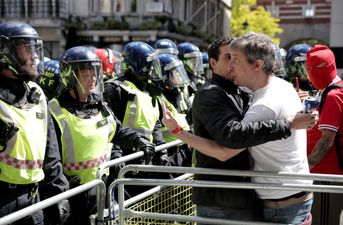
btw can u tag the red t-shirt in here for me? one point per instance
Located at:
(330, 118)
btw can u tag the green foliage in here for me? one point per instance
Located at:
(246, 16)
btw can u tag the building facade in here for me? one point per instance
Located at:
(113, 23)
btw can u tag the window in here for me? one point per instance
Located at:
(309, 10)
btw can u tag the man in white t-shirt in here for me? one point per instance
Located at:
(252, 65)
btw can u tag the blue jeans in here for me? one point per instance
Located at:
(294, 214)
(228, 213)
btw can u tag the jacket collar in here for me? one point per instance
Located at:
(224, 83)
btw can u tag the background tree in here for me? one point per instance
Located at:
(246, 16)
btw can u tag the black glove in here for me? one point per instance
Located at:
(161, 158)
(148, 148)
(114, 170)
(6, 133)
(74, 181)
(58, 213)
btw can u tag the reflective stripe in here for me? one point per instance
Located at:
(86, 164)
(135, 117)
(21, 164)
(57, 111)
(86, 143)
(22, 159)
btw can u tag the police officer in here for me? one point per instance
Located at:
(133, 97)
(111, 63)
(295, 67)
(86, 127)
(175, 78)
(49, 80)
(26, 158)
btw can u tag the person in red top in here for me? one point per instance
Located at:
(326, 135)
(321, 69)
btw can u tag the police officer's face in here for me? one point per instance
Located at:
(27, 59)
(86, 81)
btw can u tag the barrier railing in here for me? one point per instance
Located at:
(101, 190)
(125, 213)
(101, 193)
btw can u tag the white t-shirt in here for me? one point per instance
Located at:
(278, 100)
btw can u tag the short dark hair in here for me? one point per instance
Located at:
(213, 48)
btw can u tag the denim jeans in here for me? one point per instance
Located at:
(228, 213)
(295, 214)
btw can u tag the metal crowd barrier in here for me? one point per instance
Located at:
(124, 213)
(184, 181)
(101, 192)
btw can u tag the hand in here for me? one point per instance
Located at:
(303, 120)
(74, 181)
(148, 148)
(64, 210)
(163, 158)
(58, 213)
(168, 119)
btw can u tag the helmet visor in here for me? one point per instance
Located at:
(88, 77)
(177, 76)
(118, 68)
(279, 67)
(193, 61)
(28, 54)
(155, 69)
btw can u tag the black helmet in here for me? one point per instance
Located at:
(21, 49)
(79, 60)
(142, 59)
(49, 80)
(173, 70)
(166, 46)
(191, 57)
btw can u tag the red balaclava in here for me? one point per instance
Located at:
(321, 66)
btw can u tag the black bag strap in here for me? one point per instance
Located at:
(325, 93)
(339, 148)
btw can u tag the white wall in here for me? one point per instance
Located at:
(336, 33)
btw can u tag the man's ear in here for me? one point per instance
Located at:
(258, 64)
(212, 62)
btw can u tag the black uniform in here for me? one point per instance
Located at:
(84, 205)
(218, 107)
(15, 197)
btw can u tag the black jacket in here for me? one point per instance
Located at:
(218, 108)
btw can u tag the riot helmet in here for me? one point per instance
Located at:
(191, 57)
(79, 68)
(205, 62)
(49, 80)
(279, 68)
(173, 70)
(166, 46)
(111, 62)
(142, 60)
(21, 50)
(295, 62)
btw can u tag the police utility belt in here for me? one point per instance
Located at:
(31, 189)
(288, 201)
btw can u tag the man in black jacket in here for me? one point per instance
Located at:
(218, 107)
